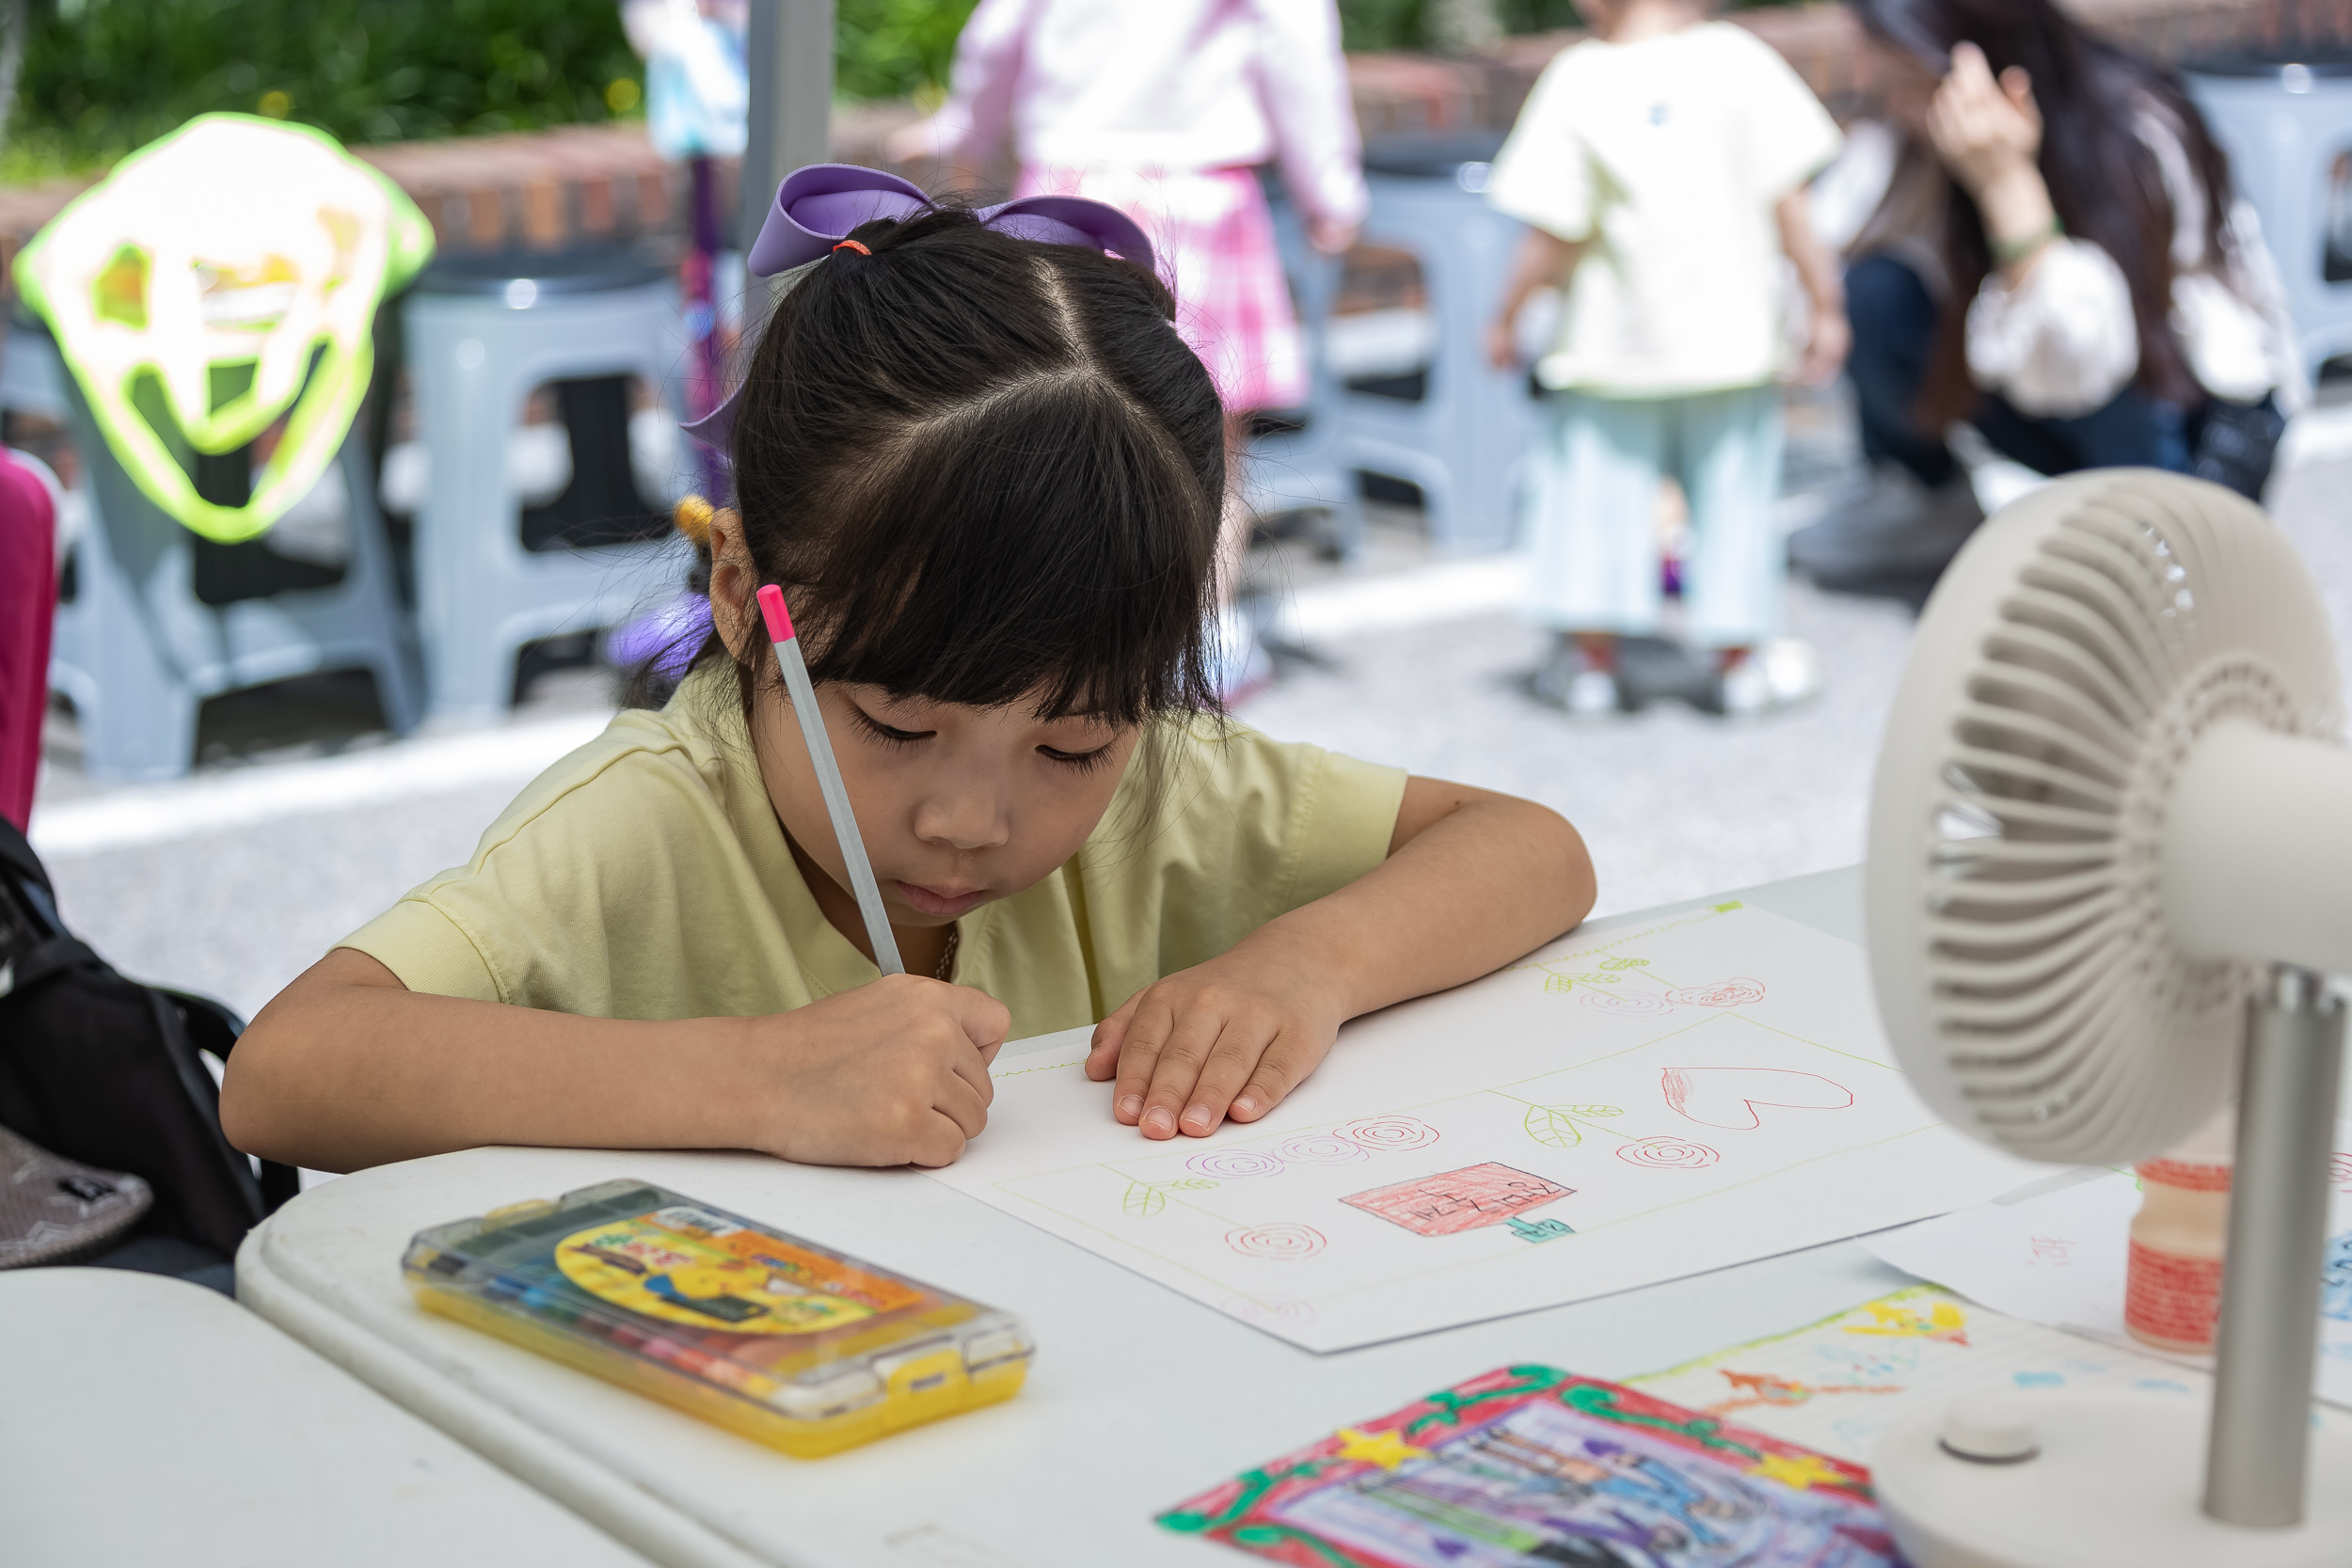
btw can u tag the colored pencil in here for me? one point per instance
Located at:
(837, 795)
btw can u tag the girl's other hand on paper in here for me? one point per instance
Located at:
(1230, 1037)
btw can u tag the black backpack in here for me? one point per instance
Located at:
(105, 1071)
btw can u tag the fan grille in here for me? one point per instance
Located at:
(2146, 614)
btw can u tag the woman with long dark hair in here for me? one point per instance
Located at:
(2059, 261)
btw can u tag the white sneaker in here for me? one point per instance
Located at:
(1778, 674)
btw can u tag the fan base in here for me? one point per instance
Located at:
(2117, 1482)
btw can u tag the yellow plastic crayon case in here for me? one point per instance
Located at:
(791, 1343)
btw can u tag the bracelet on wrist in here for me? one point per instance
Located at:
(2008, 252)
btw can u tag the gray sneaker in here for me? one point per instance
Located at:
(1582, 692)
(1898, 529)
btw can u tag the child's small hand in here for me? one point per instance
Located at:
(1826, 346)
(894, 1072)
(1231, 1037)
(1503, 343)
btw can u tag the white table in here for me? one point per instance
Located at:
(1140, 1397)
(145, 1422)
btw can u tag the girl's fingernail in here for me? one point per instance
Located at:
(1159, 1122)
(1131, 1105)
(1245, 1106)
(1200, 1117)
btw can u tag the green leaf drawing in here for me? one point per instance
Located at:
(1600, 979)
(1625, 963)
(1550, 1128)
(1557, 983)
(1588, 1110)
(1144, 1199)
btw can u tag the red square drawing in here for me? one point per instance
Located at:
(1458, 1200)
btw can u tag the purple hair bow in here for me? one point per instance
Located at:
(816, 206)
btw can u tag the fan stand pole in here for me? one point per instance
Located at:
(2257, 1459)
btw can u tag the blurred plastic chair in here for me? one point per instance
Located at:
(1303, 465)
(480, 335)
(2287, 127)
(1464, 441)
(215, 298)
(142, 638)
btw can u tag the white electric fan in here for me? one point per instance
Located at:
(2110, 868)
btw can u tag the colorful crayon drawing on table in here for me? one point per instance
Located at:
(1531, 1464)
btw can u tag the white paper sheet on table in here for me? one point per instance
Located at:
(2060, 1257)
(1628, 1106)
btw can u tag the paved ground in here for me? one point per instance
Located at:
(303, 824)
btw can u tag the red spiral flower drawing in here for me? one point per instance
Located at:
(1285, 1241)
(1667, 1154)
(1231, 1164)
(1320, 1148)
(1630, 1004)
(1721, 994)
(1390, 1133)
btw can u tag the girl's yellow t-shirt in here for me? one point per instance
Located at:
(645, 876)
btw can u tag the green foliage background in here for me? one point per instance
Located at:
(104, 76)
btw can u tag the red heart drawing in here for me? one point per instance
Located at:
(1728, 1096)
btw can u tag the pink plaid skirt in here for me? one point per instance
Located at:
(1215, 243)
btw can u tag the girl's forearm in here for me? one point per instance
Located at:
(348, 1068)
(1491, 879)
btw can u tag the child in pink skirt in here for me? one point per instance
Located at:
(1162, 109)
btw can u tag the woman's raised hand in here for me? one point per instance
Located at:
(1985, 129)
(1988, 135)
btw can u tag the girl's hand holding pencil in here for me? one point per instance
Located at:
(894, 1072)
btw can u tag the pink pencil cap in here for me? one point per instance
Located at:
(779, 618)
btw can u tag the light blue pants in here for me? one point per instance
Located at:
(1593, 510)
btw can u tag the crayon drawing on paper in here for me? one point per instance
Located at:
(1632, 1104)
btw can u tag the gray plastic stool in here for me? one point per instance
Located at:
(136, 649)
(1305, 467)
(480, 335)
(2284, 125)
(1464, 442)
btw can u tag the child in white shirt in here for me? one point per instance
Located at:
(1661, 167)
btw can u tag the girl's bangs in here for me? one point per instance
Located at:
(1022, 555)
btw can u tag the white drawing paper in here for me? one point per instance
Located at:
(2060, 1257)
(1634, 1103)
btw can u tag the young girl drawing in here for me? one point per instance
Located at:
(987, 473)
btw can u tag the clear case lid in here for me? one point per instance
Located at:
(633, 1271)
